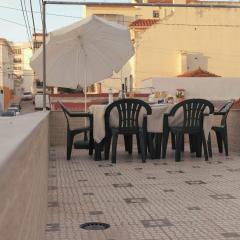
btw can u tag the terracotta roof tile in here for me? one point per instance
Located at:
(198, 73)
(160, 1)
(143, 23)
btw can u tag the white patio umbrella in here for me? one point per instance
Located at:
(83, 53)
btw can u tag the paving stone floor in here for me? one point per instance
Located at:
(159, 199)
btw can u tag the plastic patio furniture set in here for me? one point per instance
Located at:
(130, 121)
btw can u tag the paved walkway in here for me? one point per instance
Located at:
(190, 200)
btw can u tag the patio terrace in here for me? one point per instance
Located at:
(157, 200)
(43, 196)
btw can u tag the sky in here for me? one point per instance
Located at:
(12, 25)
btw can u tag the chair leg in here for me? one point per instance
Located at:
(173, 141)
(182, 143)
(198, 140)
(209, 145)
(138, 143)
(142, 145)
(178, 147)
(69, 145)
(205, 147)
(107, 146)
(219, 142)
(164, 142)
(158, 145)
(91, 143)
(129, 143)
(225, 142)
(97, 155)
(114, 146)
(150, 137)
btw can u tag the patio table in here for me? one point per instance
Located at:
(154, 121)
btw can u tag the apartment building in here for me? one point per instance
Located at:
(6, 74)
(171, 40)
(21, 68)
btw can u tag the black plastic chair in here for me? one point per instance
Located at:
(194, 111)
(84, 144)
(221, 131)
(128, 111)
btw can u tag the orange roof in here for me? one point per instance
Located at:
(198, 73)
(160, 1)
(143, 23)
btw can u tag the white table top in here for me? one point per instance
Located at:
(154, 121)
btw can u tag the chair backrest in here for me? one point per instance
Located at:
(224, 110)
(128, 112)
(193, 112)
(66, 113)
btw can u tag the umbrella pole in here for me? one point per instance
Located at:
(85, 97)
(44, 55)
(85, 82)
(85, 88)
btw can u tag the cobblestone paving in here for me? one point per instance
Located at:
(156, 200)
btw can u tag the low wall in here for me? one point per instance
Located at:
(23, 176)
(234, 130)
(214, 88)
(58, 129)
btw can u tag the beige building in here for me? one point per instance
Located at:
(180, 39)
(21, 68)
(37, 39)
(6, 74)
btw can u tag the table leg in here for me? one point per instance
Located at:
(98, 150)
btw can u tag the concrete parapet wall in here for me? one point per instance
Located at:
(58, 128)
(24, 176)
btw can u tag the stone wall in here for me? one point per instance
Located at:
(24, 176)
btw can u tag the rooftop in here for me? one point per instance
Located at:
(143, 23)
(198, 73)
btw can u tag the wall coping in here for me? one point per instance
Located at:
(14, 130)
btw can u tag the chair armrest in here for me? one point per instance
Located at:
(80, 114)
(219, 113)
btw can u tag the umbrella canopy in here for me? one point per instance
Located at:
(83, 53)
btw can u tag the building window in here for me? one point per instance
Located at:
(17, 51)
(17, 68)
(155, 14)
(37, 44)
(17, 60)
(112, 17)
